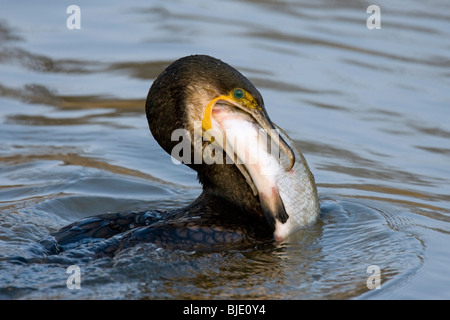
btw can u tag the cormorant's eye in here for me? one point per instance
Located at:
(238, 93)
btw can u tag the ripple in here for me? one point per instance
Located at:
(370, 107)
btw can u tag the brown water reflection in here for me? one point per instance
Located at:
(369, 110)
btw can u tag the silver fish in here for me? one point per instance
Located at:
(294, 190)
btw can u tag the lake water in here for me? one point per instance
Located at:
(369, 108)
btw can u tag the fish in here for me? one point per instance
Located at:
(288, 197)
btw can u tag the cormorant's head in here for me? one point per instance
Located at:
(185, 107)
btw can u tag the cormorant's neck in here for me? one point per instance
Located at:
(219, 212)
(226, 181)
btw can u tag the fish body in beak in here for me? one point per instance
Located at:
(286, 202)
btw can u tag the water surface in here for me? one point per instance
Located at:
(368, 108)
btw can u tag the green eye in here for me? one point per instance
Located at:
(238, 93)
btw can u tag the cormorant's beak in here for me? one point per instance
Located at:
(259, 114)
(263, 185)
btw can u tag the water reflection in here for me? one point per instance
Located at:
(329, 260)
(368, 109)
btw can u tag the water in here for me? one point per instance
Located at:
(368, 108)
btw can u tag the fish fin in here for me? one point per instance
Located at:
(273, 208)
